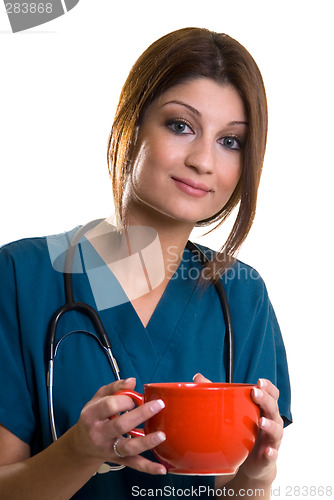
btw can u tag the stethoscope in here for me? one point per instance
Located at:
(101, 336)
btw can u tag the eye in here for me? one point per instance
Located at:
(231, 142)
(179, 127)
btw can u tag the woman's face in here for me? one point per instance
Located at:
(188, 153)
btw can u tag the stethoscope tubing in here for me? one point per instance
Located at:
(103, 339)
(228, 345)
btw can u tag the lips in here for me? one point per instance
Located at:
(193, 184)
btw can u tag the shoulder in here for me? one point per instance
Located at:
(241, 281)
(237, 272)
(24, 247)
(20, 258)
(242, 274)
(35, 251)
(244, 285)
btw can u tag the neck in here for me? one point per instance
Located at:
(173, 234)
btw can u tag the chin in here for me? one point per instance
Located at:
(180, 212)
(184, 216)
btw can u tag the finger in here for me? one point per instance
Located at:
(267, 464)
(269, 387)
(129, 447)
(270, 455)
(124, 423)
(109, 406)
(143, 464)
(273, 432)
(118, 385)
(268, 405)
(199, 379)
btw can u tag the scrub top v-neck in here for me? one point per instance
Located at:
(184, 336)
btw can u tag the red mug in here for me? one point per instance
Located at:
(210, 427)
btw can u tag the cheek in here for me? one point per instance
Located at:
(235, 177)
(138, 167)
(153, 159)
(229, 178)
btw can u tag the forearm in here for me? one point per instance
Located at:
(56, 473)
(241, 486)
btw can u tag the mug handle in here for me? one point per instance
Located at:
(139, 400)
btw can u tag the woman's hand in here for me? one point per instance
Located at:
(97, 431)
(260, 466)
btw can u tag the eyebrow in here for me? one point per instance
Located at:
(191, 108)
(197, 113)
(236, 122)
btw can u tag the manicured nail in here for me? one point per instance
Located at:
(264, 423)
(262, 383)
(257, 393)
(157, 405)
(159, 437)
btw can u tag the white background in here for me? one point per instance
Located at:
(59, 88)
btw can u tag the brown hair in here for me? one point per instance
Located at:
(187, 54)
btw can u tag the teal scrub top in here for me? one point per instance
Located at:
(184, 336)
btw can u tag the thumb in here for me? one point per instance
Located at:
(118, 385)
(199, 379)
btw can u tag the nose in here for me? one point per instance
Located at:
(201, 155)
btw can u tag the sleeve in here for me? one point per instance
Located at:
(281, 368)
(259, 350)
(16, 412)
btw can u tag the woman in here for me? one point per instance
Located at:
(187, 145)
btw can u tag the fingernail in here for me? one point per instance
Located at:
(257, 393)
(159, 437)
(128, 380)
(162, 471)
(195, 375)
(157, 405)
(264, 423)
(262, 382)
(270, 452)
